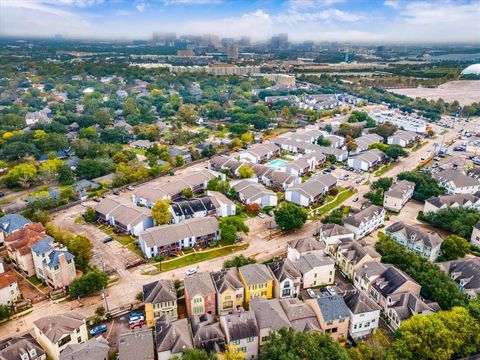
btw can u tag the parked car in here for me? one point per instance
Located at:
(191, 271)
(84, 204)
(2, 194)
(135, 317)
(116, 192)
(107, 240)
(311, 293)
(96, 199)
(261, 215)
(355, 199)
(100, 329)
(130, 187)
(333, 167)
(331, 290)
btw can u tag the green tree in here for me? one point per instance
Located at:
(459, 221)
(287, 344)
(198, 354)
(5, 312)
(65, 175)
(228, 234)
(285, 113)
(187, 113)
(90, 215)
(21, 175)
(81, 247)
(102, 117)
(335, 217)
(383, 183)
(454, 247)
(395, 151)
(179, 160)
(350, 143)
(161, 212)
(323, 142)
(88, 284)
(187, 193)
(246, 171)
(290, 216)
(385, 130)
(425, 185)
(238, 261)
(375, 196)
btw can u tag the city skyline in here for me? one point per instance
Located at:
(370, 21)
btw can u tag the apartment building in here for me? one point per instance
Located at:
(330, 234)
(250, 192)
(397, 196)
(403, 138)
(466, 273)
(467, 201)
(366, 159)
(302, 246)
(365, 221)
(364, 314)
(309, 192)
(456, 182)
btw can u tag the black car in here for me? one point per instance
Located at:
(107, 240)
(116, 192)
(333, 167)
(2, 194)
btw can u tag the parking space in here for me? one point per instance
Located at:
(115, 327)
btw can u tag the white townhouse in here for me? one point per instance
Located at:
(221, 162)
(310, 191)
(331, 234)
(316, 270)
(398, 195)
(286, 279)
(456, 182)
(366, 160)
(364, 142)
(193, 208)
(301, 246)
(364, 314)
(259, 153)
(434, 204)
(403, 138)
(304, 164)
(224, 206)
(365, 221)
(414, 239)
(9, 290)
(250, 192)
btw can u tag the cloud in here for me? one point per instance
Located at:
(394, 4)
(192, 2)
(296, 4)
(141, 6)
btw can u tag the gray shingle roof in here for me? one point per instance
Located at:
(173, 336)
(269, 314)
(56, 326)
(136, 345)
(311, 261)
(226, 279)
(400, 188)
(358, 302)
(200, 283)
(458, 178)
(255, 274)
(364, 215)
(94, 349)
(13, 348)
(415, 234)
(159, 291)
(240, 325)
(284, 269)
(333, 308)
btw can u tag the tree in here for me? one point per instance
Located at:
(238, 261)
(228, 233)
(285, 113)
(383, 183)
(17, 150)
(375, 197)
(65, 175)
(252, 209)
(48, 169)
(350, 143)
(198, 354)
(88, 284)
(232, 353)
(247, 138)
(187, 193)
(323, 142)
(102, 117)
(444, 335)
(90, 215)
(346, 129)
(380, 146)
(236, 221)
(454, 247)
(187, 114)
(335, 217)
(425, 185)
(290, 216)
(161, 213)
(385, 130)
(81, 247)
(459, 221)
(245, 171)
(5, 312)
(287, 344)
(21, 175)
(395, 151)
(179, 160)
(93, 168)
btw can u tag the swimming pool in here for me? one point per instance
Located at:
(276, 164)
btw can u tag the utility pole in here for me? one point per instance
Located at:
(105, 300)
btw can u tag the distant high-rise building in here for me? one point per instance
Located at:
(282, 41)
(163, 39)
(244, 41)
(232, 52)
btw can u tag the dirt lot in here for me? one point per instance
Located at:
(465, 91)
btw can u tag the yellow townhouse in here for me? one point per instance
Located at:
(257, 280)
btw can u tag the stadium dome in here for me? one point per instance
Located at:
(472, 69)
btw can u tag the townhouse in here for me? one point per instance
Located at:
(333, 315)
(302, 147)
(207, 333)
(260, 153)
(300, 316)
(19, 245)
(390, 283)
(223, 205)
(364, 314)
(475, 237)
(404, 305)
(136, 345)
(364, 275)
(302, 246)
(456, 182)
(171, 187)
(414, 239)
(193, 208)
(250, 192)
(270, 317)
(257, 282)
(9, 290)
(366, 160)
(177, 152)
(350, 255)
(97, 348)
(172, 338)
(403, 138)
(286, 279)
(54, 333)
(466, 273)
(330, 234)
(339, 154)
(125, 217)
(467, 201)
(304, 164)
(168, 239)
(221, 162)
(316, 270)
(310, 191)
(275, 179)
(23, 347)
(53, 264)
(364, 142)
(365, 221)
(200, 295)
(241, 332)
(11, 223)
(229, 290)
(335, 140)
(397, 196)
(160, 299)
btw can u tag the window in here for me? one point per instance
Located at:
(315, 275)
(355, 326)
(242, 349)
(24, 356)
(235, 342)
(286, 292)
(64, 341)
(198, 310)
(33, 352)
(249, 339)
(79, 339)
(264, 338)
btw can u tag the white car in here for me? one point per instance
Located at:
(84, 204)
(331, 290)
(130, 187)
(261, 215)
(311, 293)
(191, 272)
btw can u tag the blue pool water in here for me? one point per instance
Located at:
(277, 163)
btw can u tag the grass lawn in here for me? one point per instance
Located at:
(121, 238)
(384, 169)
(339, 200)
(34, 280)
(199, 257)
(138, 151)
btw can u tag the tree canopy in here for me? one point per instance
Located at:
(425, 185)
(290, 216)
(161, 213)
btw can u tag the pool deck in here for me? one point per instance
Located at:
(277, 163)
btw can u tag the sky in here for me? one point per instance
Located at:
(356, 21)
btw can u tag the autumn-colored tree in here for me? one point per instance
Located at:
(246, 171)
(161, 213)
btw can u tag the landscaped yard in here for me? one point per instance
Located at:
(121, 238)
(199, 256)
(384, 169)
(341, 197)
